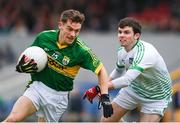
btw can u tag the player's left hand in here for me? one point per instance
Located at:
(107, 106)
(26, 65)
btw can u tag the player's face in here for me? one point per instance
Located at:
(126, 37)
(69, 31)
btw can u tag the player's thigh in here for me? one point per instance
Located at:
(149, 117)
(23, 108)
(118, 113)
(152, 110)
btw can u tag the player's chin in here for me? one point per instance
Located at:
(70, 41)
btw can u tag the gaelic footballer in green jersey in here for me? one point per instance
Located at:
(64, 62)
(48, 94)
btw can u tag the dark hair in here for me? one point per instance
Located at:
(131, 22)
(73, 15)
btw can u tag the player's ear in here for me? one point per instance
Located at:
(60, 24)
(137, 36)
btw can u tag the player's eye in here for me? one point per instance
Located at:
(78, 30)
(126, 32)
(70, 29)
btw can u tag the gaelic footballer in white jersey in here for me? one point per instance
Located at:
(140, 74)
(146, 71)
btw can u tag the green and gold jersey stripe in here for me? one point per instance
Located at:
(65, 70)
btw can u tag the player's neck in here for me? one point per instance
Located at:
(60, 40)
(131, 46)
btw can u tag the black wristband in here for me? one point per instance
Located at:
(105, 97)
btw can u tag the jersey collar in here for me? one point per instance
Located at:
(61, 46)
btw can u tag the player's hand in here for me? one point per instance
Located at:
(107, 106)
(91, 93)
(26, 65)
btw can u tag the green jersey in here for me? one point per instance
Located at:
(64, 62)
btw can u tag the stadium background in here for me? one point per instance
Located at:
(21, 20)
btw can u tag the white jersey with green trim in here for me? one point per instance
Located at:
(146, 71)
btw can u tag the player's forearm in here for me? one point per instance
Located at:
(103, 81)
(125, 80)
(118, 83)
(111, 86)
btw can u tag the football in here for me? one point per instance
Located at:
(36, 53)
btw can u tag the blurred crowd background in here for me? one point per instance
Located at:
(26, 18)
(33, 16)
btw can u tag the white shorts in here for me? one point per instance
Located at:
(129, 100)
(50, 104)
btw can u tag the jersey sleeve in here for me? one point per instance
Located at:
(36, 42)
(126, 79)
(119, 70)
(91, 61)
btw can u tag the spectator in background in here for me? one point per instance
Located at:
(44, 20)
(38, 15)
(1, 57)
(175, 15)
(9, 55)
(20, 28)
(4, 22)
